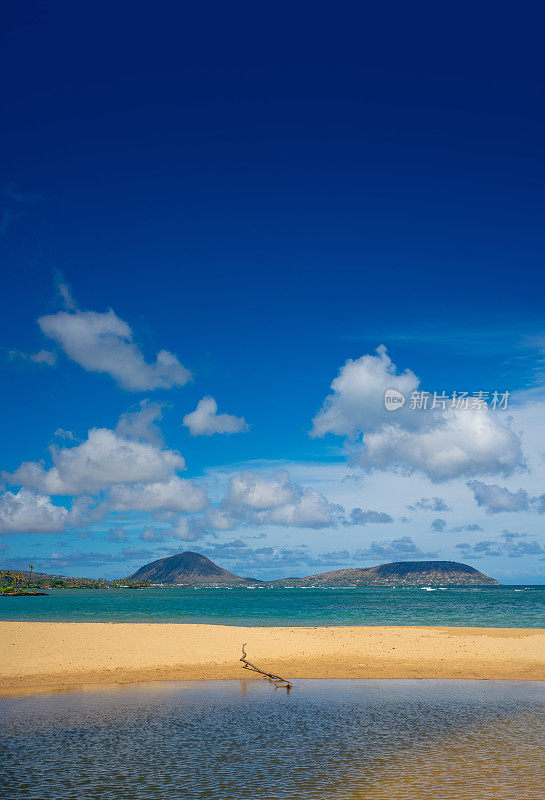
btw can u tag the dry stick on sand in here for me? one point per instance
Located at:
(276, 679)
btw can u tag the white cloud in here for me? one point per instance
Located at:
(438, 525)
(276, 500)
(141, 423)
(116, 534)
(205, 420)
(220, 520)
(357, 403)
(470, 527)
(102, 342)
(44, 357)
(403, 548)
(309, 509)
(104, 459)
(520, 549)
(429, 504)
(465, 443)
(60, 433)
(154, 535)
(41, 357)
(442, 444)
(497, 499)
(189, 530)
(484, 549)
(86, 509)
(65, 293)
(359, 517)
(175, 494)
(27, 512)
(260, 492)
(509, 548)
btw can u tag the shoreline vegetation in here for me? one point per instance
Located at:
(24, 582)
(44, 656)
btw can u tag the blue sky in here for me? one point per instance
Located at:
(265, 198)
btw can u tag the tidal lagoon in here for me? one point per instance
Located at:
(221, 740)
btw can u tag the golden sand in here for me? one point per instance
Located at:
(38, 655)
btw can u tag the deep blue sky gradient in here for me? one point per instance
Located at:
(269, 192)
(266, 192)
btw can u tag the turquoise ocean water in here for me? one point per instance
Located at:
(509, 606)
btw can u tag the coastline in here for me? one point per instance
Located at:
(42, 656)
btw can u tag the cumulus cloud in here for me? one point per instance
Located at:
(260, 492)
(402, 549)
(175, 494)
(205, 420)
(116, 534)
(519, 549)
(479, 549)
(496, 499)
(357, 403)
(189, 529)
(276, 500)
(438, 525)
(436, 504)
(511, 536)
(102, 342)
(218, 519)
(251, 499)
(440, 443)
(359, 517)
(154, 535)
(511, 546)
(141, 422)
(309, 509)
(470, 527)
(86, 509)
(27, 512)
(104, 459)
(465, 443)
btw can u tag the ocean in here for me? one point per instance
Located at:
(224, 740)
(507, 606)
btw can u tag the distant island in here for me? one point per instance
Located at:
(188, 568)
(195, 569)
(399, 573)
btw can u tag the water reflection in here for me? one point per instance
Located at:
(326, 739)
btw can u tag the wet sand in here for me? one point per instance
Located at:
(48, 655)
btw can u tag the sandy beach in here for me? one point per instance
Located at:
(40, 655)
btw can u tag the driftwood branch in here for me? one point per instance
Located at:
(269, 676)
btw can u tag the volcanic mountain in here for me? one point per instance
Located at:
(401, 573)
(197, 570)
(189, 568)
